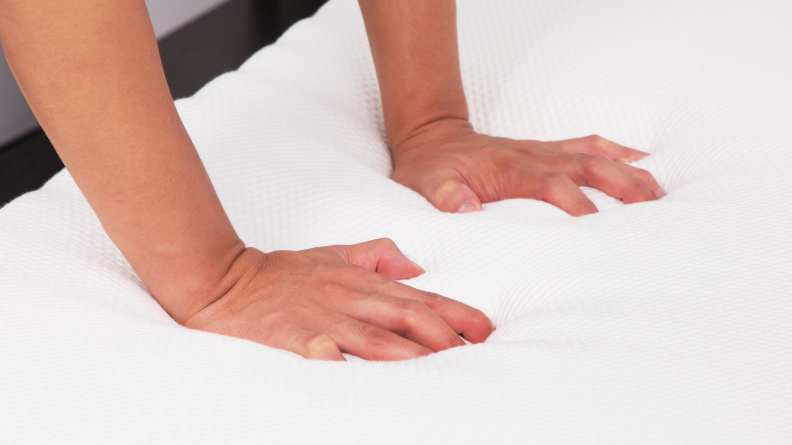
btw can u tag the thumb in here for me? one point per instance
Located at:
(382, 256)
(449, 193)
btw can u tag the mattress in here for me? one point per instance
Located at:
(653, 323)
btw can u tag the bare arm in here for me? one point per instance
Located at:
(90, 70)
(436, 151)
(414, 44)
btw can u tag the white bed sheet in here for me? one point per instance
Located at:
(663, 322)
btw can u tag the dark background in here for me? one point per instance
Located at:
(215, 43)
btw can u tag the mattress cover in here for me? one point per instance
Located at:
(661, 322)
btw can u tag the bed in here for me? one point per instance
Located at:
(653, 323)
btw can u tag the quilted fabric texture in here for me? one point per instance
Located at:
(655, 323)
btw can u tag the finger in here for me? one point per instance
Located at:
(384, 257)
(373, 343)
(461, 318)
(409, 318)
(603, 174)
(559, 190)
(314, 345)
(645, 177)
(449, 192)
(597, 145)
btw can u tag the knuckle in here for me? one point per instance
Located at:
(386, 243)
(359, 329)
(595, 142)
(636, 192)
(645, 176)
(353, 328)
(554, 181)
(336, 289)
(377, 337)
(637, 186)
(319, 269)
(411, 306)
(592, 163)
(410, 311)
(433, 301)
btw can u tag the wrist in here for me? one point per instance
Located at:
(241, 272)
(191, 288)
(429, 133)
(401, 130)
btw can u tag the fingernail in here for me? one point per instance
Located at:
(416, 265)
(659, 193)
(468, 207)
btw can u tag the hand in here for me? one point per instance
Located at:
(457, 169)
(321, 302)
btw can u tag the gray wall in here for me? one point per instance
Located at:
(15, 116)
(169, 15)
(166, 16)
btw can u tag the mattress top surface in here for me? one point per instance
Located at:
(661, 322)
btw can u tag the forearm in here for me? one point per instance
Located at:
(414, 44)
(90, 71)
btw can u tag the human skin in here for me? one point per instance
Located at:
(436, 151)
(91, 73)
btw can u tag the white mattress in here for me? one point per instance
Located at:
(662, 322)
